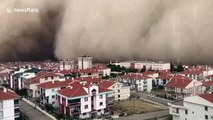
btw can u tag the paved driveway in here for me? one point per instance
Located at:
(32, 113)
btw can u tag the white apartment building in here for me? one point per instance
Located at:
(9, 105)
(84, 100)
(180, 86)
(66, 64)
(199, 107)
(137, 81)
(84, 62)
(147, 64)
(41, 77)
(121, 92)
(48, 91)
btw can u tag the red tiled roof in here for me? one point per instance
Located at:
(40, 75)
(165, 76)
(179, 82)
(207, 83)
(103, 90)
(193, 71)
(74, 91)
(55, 84)
(149, 73)
(8, 95)
(4, 74)
(134, 76)
(89, 80)
(106, 84)
(209, 76)
(207, 96)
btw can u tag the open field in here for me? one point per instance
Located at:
(135, 106)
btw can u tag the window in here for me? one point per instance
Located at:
(46, 78)
(53, 96)
(101, 96)
(86, 99)
(84, 113)
(177, 110)
(101, 103)
(52, 77)
(53, 103)
(186, 112)
(118, 96)
(118, 91)
(85, 106)
(206, 108)
(53, 90)
(206, 117)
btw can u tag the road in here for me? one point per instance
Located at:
(155, 99)
(145, 116)
(32, 113)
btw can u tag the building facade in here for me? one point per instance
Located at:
(84, 100)
(199, 107)
(9, 105)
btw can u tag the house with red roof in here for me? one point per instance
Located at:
(207, 85)
(180, 86)
(121, 92)
(137, 81)
(82, 100)
(198, 107)
(48, 90)
(197, 73)
(41, 77)
(9, 104)
(4, 78)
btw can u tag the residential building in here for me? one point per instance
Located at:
(199, 107)
(4, 78)
(137, 81)
(147, 64)
(180, 86)
(41, 77)
(9, 105)
(84, 62)
(121, 92)
(82, 100)
(67, 64)
(49, 89)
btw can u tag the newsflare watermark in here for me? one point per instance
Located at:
(22, 10)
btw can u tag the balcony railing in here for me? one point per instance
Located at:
(93, 93)
(111, 98)
(76, 104)
(16, 105)
(110, 104)
(76, 112)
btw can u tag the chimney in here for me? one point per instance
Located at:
(4, 90)
(70, 86)
(53, 81)
(72, 78)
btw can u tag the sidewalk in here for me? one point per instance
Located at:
(28, 108)
(145, 116)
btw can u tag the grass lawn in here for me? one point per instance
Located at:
(135, 106)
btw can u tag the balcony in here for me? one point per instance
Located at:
(72, 105)
(110, 104)
(94, 93)
(111, 98)
(76, 112)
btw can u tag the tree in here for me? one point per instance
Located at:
(180, 67)
(172, 67)
(143, 69)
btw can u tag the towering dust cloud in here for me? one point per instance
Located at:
(177, 30)
(29, 36)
